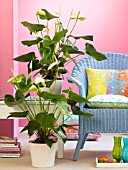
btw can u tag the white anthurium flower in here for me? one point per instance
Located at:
(73, 16)
(37, 34)
(9, 81)
(40, 89)
(77, 81)
(40, 12)
(53, 64)
(39, 80)
(30, 66)
(32, 88)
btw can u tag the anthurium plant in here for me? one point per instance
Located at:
(42, 121)
(54, 53)
(56, 45)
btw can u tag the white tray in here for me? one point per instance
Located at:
(117, 165)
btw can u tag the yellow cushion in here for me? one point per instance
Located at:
(101, 82)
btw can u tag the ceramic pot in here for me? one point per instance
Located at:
(125, 150)
(117, 148)
(55, 87)
(42, 155)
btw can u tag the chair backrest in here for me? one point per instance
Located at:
(115, 61)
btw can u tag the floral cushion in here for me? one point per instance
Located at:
(109, 101)
(101, 82)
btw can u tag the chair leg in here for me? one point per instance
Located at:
(80, 145)
(85, 135)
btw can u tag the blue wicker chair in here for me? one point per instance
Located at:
(105, 120)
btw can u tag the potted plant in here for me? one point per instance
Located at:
(56, 47)
(55, 52)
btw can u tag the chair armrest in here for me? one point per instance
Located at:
(79, 84)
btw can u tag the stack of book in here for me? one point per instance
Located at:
(9, 147)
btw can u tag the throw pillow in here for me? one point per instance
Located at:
(108, 101)
(102, 82)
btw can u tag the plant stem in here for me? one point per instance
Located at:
(75, 23)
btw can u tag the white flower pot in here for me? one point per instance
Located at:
(42, 155)
(55, 87)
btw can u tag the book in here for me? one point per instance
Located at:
(10, 152)
(6, 155)
(10, 145)
(8, 139)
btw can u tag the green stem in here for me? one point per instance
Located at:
(58, 115)
(75, 23)
(48, 106)
(69, 19)
(29, 109)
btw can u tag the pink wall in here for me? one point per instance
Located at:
(107, 20)
(6, 45)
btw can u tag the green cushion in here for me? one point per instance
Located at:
(108, 101)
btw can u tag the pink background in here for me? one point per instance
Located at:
(107, 21)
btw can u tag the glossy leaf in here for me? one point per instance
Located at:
(26, 57)
(32, 42)
(46, 41)
(19, 96)
(33, 27)
(9, 100)
(71, 50)
(45, 120)
(48, 15)
(77, 98)
(63, 106)
(53, 97)
(18, 114)
(86, 37)
(49, 142)
(35, 66)
(76, 111)
(61, 134)
(90, 50)
(17, 79)
(58, 36)
(31, 127)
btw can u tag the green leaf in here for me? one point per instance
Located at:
(29, 81)
(17, 79)
(45, 120)
(32, 42)
(26, 57)
(69, 126)
(81, 18)
(46, 41)
(90, 50)
(76, 111)
(9, 100)
(61, 134)
(18, 114)
(35, 66)
(19, 96)
(86, 37)
(53, 97)
(71, 50)
(59, 35)
(48, 15)
(31, 127)
(33, 27)
(49, 142)
(63, 106)
(68, 56)
(62, 71)
(46, 53)
(77, 98)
